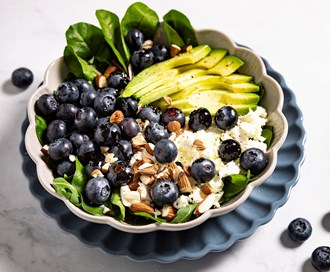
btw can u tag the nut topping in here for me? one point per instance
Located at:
(116, 117)
(142, 207)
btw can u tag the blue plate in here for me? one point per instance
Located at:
(216, 234)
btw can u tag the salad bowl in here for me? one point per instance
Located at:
(272, 101)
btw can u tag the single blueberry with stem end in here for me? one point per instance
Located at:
(22, 77)
(299, 229)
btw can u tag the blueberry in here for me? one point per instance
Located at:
(94, 164)
(202, 170)
(253, 159)
(87, 98)
(128, 106)
(65, 167)
(129, 128)
(120, 173)
(164, 192)
(299, 229)
(134, 39)
(321, 258)
(122, 150)
(22, 77)
(67, 112)
(107, 134)
(155, 132)
(87, 151)
(226, 117)
(149, 113)
(118, 80)
(142, 59)
(78, 138)
(56, 129)
(98, 190)
(67, 92)
(60, 149)
(173, 114)
(165, 151)
(160, 53)
(104, 103)
(47, 105)
(200, 119)
(229, 150)
(85, 119)
(83, 85)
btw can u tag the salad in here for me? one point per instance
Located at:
(149, 125)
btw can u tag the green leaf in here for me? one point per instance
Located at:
(181, 24)
(184, 214)
(88, 42)
(149, 216)
(79, 178)
(140, 16)
(65, 189)
(267, 132)
(234, 184)
(112, 32)
(116, 201)
(41, 127)
(78, 66)
(172, 36)
(94, 210)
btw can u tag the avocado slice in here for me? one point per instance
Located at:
(227, 66)
(152, 74)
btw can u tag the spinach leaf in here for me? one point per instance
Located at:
(140, 16)
(78, 66)
(148, 216)
(95, 210)
(167, 36)
(234, 184)
(88, 42)
(65, 189)
(267, 132)
(79, 178)
(181, 24)
(115, 200)
(112, 33)
(184, 214)
(41, 127)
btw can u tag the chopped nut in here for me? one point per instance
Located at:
(147, 159)
(105, 167)
(139, 140)
(134, 184)
(199, 144)
(205, 205)
(104, 149)
(97, 173)
(206, 189)
(184, 183)
(142, 207)
(101, 81)
(147, 179)
(168, 212)
(116, 117)
(187, 48)
(150, 170)
(150, 148)
(44, 149)
(111, 69)
(175, 50)
(110, 158)
(174, 126)
(72, 158)
(168, 100)
(147, 44)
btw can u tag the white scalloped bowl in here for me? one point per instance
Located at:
(272, 101)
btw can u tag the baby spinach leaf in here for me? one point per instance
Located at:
(115, 200)
(95, 210)
(181, 24)
(167, 36)
(112, 33)
(88, 42)
(234, 184)
(65, 189)
(149, 216)
(79, 178)
(41, 127)
(267, 132)
(184, 214)
(140, 16)
(78, 66)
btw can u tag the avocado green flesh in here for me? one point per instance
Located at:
(227, 66)
(152, 74)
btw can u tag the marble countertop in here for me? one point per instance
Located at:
(294, 36)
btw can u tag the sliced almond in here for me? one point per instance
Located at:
(174, 50)
(184, 183)
(168, 100)
(205, 205)
(105, 167)
(44, 149)
(101, 81)
(199, 144)
(110, 158)
(134, 184)
(116, 117)
(150, 170)
(147, 44)
(150, 148)
(147, 179)
(97, 173)
(139, 140)
(206, 189)
(142, 207)
(174, 126)
(111, 69)
(168, 212)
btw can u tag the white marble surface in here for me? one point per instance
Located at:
(294, 36)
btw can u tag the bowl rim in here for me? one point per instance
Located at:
(43, 173)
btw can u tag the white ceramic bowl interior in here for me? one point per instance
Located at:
(272, 101)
